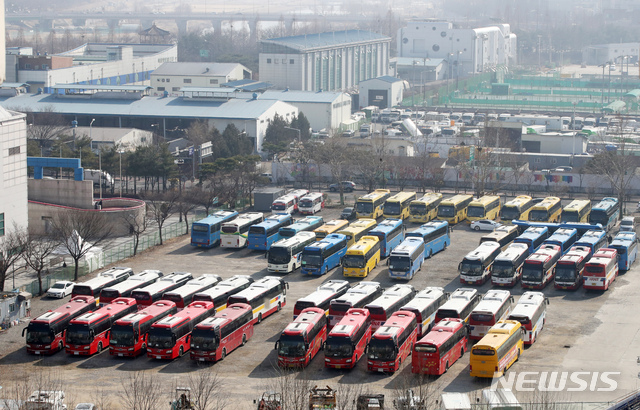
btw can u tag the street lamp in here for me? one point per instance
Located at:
(603, 65)
(90, 137)
(120, 152)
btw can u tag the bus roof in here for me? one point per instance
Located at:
(428, 197)
(577, 204)
(573, 256)
(603, 255)
(464, 294)
(484, 200)
(483, 251)
(217, 217)
(304, 322)
(387, 225)
(135, 281)
(401, 196)
(165, 282)
(74, 305)
(512, 253)
(196, 285)
(519, 200)
(394, 325)
(225, 316)
(544, 254)
(156, 309)
(326, 291)
(377, 194)
(606, 204)
(546, 203)
(391, 296)
(352, 319)
(327, 241)
(407, 247)
(492, 301)
(441, 331)
(294, 240)
(311, 196)
(624, 239)
(358, 292)
(332, 225)
(188, 313)
(89, 317)
(363, 245)
(505, 327)
(456, 199)
(590, 237)
(246, 218)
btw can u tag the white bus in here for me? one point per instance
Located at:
(285, 255)
(285, 204)
(265, 296)
(531, 312)
(425, 305)
(475, 268)
(494, 306)
(507, 267)
(311, 203)
(601, 270)
(234, 234)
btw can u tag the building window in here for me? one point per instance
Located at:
(268, 61)
(48, 221)
(284, 61)
(2, 224)
(213, 81)
(14, 150)
(537, 160)
(168, 80)
(187, 80)
(163, 80)
(160, 88)
(45, 67)
(27, 66)
(291, 61)
(175, 89)
(12, 307)
(36, 67)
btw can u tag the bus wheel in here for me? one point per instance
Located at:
(430, 254)
(446, 367)
(99, 347)
(244, 339)
(279, 306)
(223, 354)
(461, 351)
(326, 270)
(259, 317)
(181, 351)
(144, 346)
(60, 345)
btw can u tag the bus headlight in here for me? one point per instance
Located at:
(349, 360)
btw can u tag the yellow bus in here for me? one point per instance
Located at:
(454, 209)
(577, 211)
(398, 205)
(362, 257)
(370, 205)
(424, 209)
(549, 210)
(487, 207)
(497, 350)
(517, 208)
(330, 227)
(357, 229)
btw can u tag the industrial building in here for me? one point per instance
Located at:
(383, 92)
(90, 64)
(616, 52)
(171, 77)
(124, 139)
(328, 61)
(466, 50)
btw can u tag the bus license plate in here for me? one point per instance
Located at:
(158, 357)
(76, 353)
(381, 370)
(201, 359)
(120, 354)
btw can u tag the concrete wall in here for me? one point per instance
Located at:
(65, 192)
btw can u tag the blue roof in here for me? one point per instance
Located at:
(169, 107)
(301, 96)
(327, 39)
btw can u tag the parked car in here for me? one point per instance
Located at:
(628, 224)
(348, 213)
(347, 186)
(348, 133)
(60, 289)
(564, 169)
(485, 225)
(86, 406)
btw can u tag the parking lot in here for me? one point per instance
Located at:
(587, 331)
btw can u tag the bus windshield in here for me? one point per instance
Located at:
(509, 213)
(291, 346)
(312, 259)
(279, 254)
(532, 272)
(204, 339)
(426, 348)
(161, 337)
(400, 263)
(538, 215)
(475, 211)
(41, 335)
(78, 334)
(82, 290)
(471, 268)
(353, 261)
(483, 352)
(392, 208)
(364, 207)
(200, 228)
(570, 216)
(122, 336)
(446, 211)
(338, 347)
(229, 229)
(257, 230)
(599, 217)
(418, 209)
(382, 349)
(502, 270)
(594, 269)
(279, 206)
(565, 272)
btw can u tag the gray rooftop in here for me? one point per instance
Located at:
(300, 96)
(385, 78)
(101, 87)
(419, 62)
(328, 39)
(159, 107)
(104, 134)
(197, 69)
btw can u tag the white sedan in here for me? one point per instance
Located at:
(484, 225)
(60, 289)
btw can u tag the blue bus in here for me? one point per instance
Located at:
(308, 223)
(390, 233)
(626, 243)
(406, 259)
(322, 256)
(605, 213)
(564, 238)
(533, 237)
(435, 235)
(262, 235)
(205, 233)
(592, 240)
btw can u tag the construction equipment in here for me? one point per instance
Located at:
(370, 401)
(410, 402)
(183, 399)
(45, 400)
(270, 400)
(322, 398)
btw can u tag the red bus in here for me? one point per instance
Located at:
(183, 295)
(219, 294)
(392, 343)
(128, 337)
(494, 306)
(45, 334)
(601, 270)
(570, 268)
(302, 339)
(124, 289)
(214, 338)
(347, 340)
(322, 297)
(152, 293)
(170, 337)
(356, 297)
(389, 302)
(440, 348)
(89, 333)
(539, 268)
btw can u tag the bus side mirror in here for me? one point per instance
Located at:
(546, 300)
(266, 255)
(23, 331)
(306, 346)
(366, 350)
(276, 345)
(459, 266)
(387, 262)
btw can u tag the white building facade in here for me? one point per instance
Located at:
(466, 51)
(324, 61)
(383, 92)
(13, 171)
(170, 77)
(617, 53)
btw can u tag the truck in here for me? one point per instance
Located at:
(263, 198)
(45, 400)
(96, 176)
(370, 401)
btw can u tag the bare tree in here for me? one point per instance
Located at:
(79, 232)
(137, 224)
(204, 196)
(141, 391)
(36, 250)
(10, 252)
(185, 203)
(293, 387)
(102, 398)
(336, 157)
(161, 206)
(46, 126)
(207, 391)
